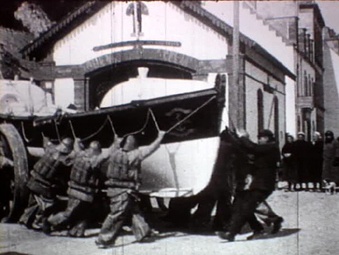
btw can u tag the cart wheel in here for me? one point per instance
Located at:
(14, 149)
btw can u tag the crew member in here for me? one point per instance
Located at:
(124, 179)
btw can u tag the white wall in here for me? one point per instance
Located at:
(255, 29)
(252, 87)
(290, 106)
(164, 22)
(64, 92)
(331, 90)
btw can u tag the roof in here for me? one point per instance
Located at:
(61, 28)
(316, 9)
(90, 8)
(14, 40)
(220, 26)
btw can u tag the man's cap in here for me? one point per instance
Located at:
(301, 133)
(66, 145)
(329, 133)
(266, 133)
(95, 147)
(129, 140)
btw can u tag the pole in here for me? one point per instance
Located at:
(235, 64)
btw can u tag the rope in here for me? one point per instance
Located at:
(154, 119)
(150, 112)
(192, 113)
(57, 130)
(72, 129)
(97, 132)
(24, 133)
(111, 123)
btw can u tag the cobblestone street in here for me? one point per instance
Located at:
(310, 227)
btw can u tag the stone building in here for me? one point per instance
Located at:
(102, 44)
(331, 80)
(104, 52)
(300, 24)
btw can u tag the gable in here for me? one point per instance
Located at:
(163, 26)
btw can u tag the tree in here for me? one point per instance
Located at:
(33, 18)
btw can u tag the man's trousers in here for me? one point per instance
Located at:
(244, 207)
(75, 215)
(123, 206)
(37, 211)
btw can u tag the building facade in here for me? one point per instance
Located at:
(300, 25)
(331, 80)
(89, 66)
(111, 53)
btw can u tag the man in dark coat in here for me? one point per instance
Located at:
(218, 192)
(124, 179)
(302, 150)
(330, 173)
(317, 158)
(43, 182)
(259, 184)
(5, 165)
(290, 173)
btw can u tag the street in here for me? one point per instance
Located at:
(310, 227)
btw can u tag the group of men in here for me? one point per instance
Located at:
(255, 169)
(314, 162)
(244, 177)
(253, 165)
(122, 181)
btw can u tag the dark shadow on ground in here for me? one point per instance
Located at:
(282, 233)
(13, 253)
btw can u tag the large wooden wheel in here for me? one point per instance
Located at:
(14, 149)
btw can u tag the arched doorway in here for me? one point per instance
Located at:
(103, 79)
(106, 71)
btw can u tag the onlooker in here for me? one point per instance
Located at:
(330, 173)
(317, 161)
(302, 150)
(290, 173)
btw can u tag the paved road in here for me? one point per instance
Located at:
(310, 227)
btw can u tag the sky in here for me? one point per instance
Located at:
(330, 12)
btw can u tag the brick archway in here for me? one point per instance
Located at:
(171, 57)
(106, 71)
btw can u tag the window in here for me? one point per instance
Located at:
(305, 89)
(260, 110)
(276, 118)
(311, 81)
